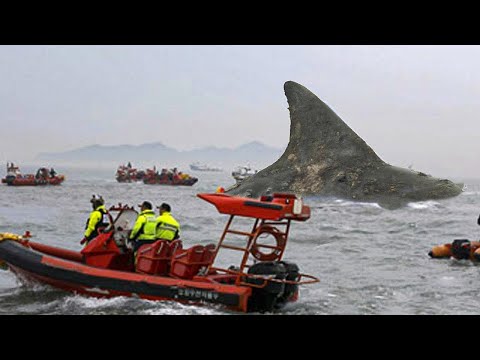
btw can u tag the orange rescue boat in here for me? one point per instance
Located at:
(261, 280)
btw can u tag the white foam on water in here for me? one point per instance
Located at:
(92, 302)
(423, 205)
(356, 203)
(172, 308)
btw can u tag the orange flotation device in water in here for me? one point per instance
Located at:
(459, 249)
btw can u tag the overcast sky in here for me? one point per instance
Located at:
(414, 105)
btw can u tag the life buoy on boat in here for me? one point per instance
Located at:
(277, 250)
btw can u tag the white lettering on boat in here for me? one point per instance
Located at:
(198, 293)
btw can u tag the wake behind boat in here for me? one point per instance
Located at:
(164, 270)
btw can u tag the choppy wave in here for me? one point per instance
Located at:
(349, 203)
(421, 205)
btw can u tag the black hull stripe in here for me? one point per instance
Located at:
(263, 205)
(31, 260)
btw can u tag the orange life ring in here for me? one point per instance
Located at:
(277, 251)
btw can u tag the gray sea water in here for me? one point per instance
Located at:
(369, 260)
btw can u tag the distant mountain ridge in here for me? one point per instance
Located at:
(254, 151)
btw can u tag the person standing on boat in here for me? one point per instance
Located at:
(98, 218)
(143, 231)
(167, 227)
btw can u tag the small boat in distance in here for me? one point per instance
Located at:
(241, 173)
(127, 173)
(196, 166)
(43, 177)
(168, 177)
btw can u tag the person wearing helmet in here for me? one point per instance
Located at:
(98, 219)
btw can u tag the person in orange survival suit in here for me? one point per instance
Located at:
(460, 249)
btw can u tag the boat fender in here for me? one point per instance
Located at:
(280, 244)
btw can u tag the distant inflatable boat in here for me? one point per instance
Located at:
(165, 177)
(31, 180)
(43, 177)
(166, 181)
(128, 174)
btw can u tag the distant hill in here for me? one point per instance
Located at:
(254, 152)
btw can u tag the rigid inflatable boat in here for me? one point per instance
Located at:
(167, 270)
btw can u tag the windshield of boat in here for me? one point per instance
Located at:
(123, 224)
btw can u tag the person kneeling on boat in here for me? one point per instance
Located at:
(167, 227)
(143, 231)
(98, 219)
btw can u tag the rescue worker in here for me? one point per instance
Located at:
(460, 249)
(143, 231)
(98, 218)
(167, 227)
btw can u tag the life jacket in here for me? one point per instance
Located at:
(147, 229)
(104, 221)
(167, 227)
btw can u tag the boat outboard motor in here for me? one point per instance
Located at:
(461, 249)
(267, 298)
(293, 274)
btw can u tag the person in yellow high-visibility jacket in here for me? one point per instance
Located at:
(143, 231)
(98, 219)
(167, 227)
